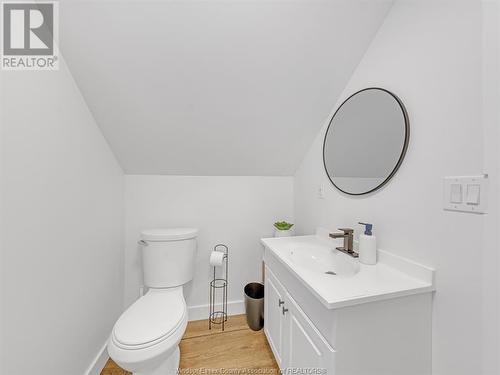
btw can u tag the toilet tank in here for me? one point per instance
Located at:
(168, 256)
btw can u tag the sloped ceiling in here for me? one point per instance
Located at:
(214, 87)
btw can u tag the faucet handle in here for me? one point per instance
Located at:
(347, 230)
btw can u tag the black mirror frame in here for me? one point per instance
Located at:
(403, 151)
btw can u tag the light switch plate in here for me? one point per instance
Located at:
(466, 193)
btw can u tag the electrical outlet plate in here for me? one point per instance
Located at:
(321, 191)
(466, 194)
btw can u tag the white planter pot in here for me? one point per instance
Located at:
(283, 233)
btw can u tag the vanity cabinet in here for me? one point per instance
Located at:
(274, 315)
(390, 336)
(294, 340)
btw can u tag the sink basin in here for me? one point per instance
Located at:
(339, 280)
(319, 259)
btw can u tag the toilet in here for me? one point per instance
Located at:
(145, 339)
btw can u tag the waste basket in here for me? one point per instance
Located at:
(254, 305)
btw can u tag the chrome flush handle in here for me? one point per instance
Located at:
(142, 243)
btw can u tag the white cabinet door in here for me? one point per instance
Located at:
(305, 346)
(274, 300)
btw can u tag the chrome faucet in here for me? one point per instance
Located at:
(348, 236)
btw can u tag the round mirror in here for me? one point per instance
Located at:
(366, 141)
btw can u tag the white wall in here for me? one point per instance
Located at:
(61, 260)
(428, 53)
(237, 211)
(491, 117)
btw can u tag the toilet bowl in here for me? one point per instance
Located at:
(145, 339)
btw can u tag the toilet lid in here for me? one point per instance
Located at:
(169, 234)
(152, 317)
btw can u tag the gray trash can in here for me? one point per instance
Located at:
(254, 305)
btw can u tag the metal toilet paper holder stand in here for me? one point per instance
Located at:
(219, 284)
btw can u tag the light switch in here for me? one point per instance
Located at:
(456, 193)
(466, 194)
(473, 194)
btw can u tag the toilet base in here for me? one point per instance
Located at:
(169, 367)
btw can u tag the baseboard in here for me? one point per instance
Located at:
(99, 362)
(200, 312)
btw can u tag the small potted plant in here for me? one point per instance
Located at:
(283, 229)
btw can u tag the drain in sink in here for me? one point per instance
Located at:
(330, 273)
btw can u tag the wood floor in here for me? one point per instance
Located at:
(238, 347)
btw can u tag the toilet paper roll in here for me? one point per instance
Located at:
(216, 258)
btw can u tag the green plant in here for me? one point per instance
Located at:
(282, 225)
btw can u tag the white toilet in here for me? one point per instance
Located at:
(145, 339)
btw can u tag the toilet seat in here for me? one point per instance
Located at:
(151, 319)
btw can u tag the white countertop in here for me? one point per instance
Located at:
(391, 277)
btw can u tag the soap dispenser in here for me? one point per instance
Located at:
(367, 246)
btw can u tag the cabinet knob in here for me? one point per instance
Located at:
(284, 310)
(280, 302)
